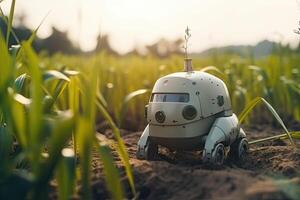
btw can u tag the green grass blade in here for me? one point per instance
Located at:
(20, 82)
(73, 95)
(13, 50)
(61, 130)
(50, 75)
(126, 101)
(61, 85)
(48, 103)
(111, 173)
(134, 94)
(10, 20)
(22, 100)
(249, 107)
(19, 118)
(6, 21)
(6, 140)
(33, 35)
(120, 147)
(86, 128)
(272, 110)
(5, 65)
(259, 71)
(35, 114)
(84, 138)
(293, 85)
(71, 73)
(61, 82)
(211, 68)
(101, 99)
(294, 134)
(65, 174)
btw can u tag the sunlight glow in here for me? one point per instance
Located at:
(134, 22)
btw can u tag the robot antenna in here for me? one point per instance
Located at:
(188, 65)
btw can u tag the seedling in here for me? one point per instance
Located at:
(186, 40)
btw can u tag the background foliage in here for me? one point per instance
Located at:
(276, 78)
(49, 105)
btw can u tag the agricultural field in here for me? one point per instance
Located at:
(67, 85)
(69, 126)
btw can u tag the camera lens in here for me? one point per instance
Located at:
(189, 112)
(160, 116)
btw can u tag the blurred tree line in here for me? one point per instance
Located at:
(59, 41)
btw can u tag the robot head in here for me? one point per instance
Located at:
(185, 97)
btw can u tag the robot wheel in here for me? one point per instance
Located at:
(150, 151)
(218, 155)
(239, 150)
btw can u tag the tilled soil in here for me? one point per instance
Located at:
(271, 171)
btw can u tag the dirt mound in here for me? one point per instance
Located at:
(270, 172)
(274, 160)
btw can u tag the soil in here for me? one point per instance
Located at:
(271, 171)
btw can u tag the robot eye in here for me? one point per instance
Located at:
(189, 112)
(160, 116)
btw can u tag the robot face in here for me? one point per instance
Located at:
(185, 97)
(171, 108)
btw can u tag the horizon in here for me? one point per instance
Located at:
(127, 30)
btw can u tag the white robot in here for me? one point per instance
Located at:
(191, 110)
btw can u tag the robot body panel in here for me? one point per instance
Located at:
(188, 130)
(191, 110)
(210, 91)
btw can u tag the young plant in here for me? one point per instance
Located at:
(186, 40)
(35, 130)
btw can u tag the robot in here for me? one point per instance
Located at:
(191, 110)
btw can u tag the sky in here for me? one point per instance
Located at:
(132, 23)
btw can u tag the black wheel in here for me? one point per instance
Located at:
(239, 150)
(218, 155)
(139, 154)
(151, 151)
